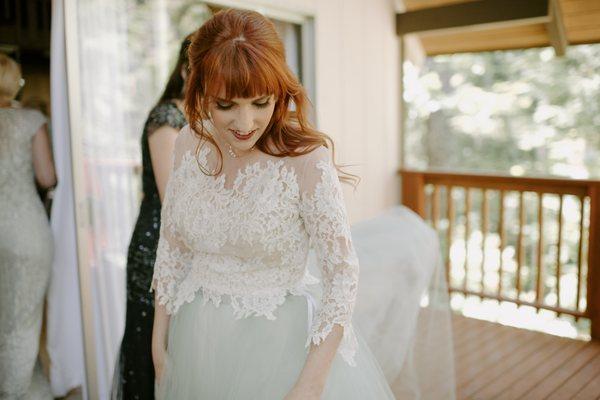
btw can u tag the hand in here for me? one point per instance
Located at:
(302, 393)
(159, 359)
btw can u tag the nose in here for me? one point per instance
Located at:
(244, 121)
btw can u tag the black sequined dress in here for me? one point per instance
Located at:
(134, 374)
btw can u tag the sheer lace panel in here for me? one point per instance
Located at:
(173, 256)
(324, 214)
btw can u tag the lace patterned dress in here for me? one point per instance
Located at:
(26, 250)
(231, 269)
(134, 375)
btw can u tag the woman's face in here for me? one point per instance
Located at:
(241, 121)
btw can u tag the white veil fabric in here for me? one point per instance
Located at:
(402, 309)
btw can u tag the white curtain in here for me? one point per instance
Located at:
(125, 50)
(110, 153)
(64, 330)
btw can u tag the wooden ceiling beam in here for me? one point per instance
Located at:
(474, 15)
(556, 28)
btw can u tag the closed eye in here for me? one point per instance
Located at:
(263, 104)
(223, 106)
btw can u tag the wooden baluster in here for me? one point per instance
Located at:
(502, 240)
(580, 252)
(520, 245)
(415, 196)
(539, 287)
(413, 192)
(428, 203)
(450, 211)
(435, 207)
(593, 273)
(558, 252)
(484, 229)
(467, 231)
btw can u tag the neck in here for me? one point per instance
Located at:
(229, 149)
(236, 153)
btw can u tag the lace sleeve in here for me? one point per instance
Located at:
(324, 215)
(173, 256)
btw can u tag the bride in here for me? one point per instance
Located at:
(253, 187)
(252, 184)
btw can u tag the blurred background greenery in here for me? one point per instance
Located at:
(521, 112)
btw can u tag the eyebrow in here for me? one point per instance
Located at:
(265, 97)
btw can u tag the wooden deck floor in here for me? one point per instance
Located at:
(499, 362)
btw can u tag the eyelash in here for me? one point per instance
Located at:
(228, 107)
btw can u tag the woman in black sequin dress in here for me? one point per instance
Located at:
(134, 374)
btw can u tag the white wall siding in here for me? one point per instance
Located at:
(357, 65)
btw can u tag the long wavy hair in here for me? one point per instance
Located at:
(175, 85)
(240, 51)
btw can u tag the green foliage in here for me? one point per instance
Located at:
(522, 112)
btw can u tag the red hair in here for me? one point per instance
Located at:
(241, 53)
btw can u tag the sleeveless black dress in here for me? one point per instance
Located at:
(134, 374)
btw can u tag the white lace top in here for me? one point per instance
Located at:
(246, 233)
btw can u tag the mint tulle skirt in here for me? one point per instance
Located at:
(213, 356)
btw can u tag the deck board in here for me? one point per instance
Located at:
(590, 390)
(493, 352)
(503, 358)
(494, 361)
(562, 373)
(526, 382)
(502, 386)
(573, 386)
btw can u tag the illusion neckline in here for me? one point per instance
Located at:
(240, 173)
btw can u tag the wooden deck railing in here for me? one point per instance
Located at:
(439, 196)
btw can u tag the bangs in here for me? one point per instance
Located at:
(242, 72)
